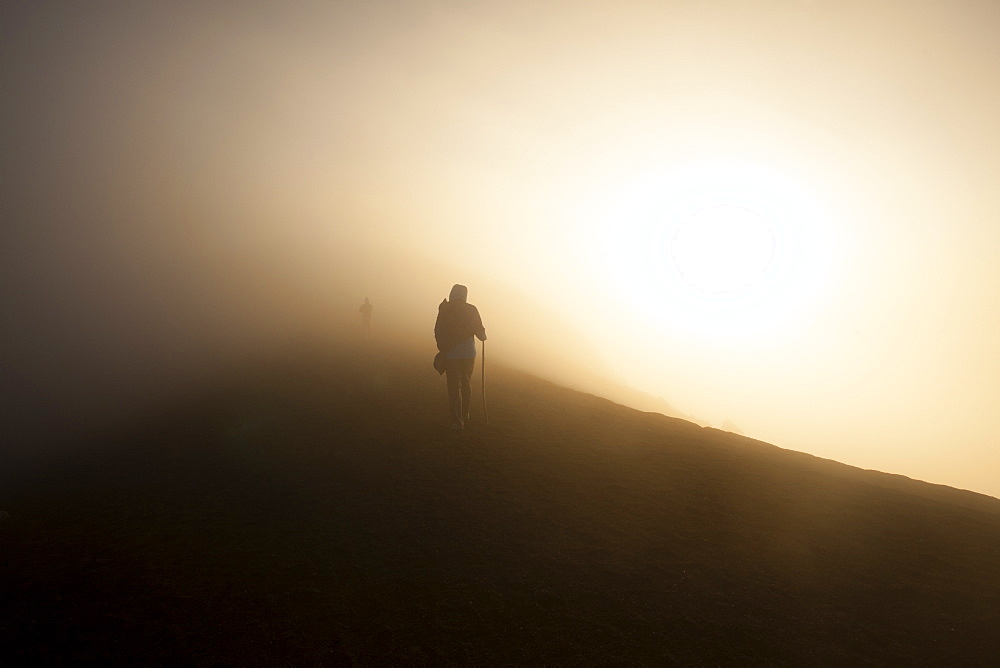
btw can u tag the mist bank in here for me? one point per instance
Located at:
(116, 312)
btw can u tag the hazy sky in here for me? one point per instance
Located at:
(782, 217)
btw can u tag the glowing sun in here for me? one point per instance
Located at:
(726, 250)
(722, 249)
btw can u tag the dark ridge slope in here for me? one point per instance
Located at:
(323, 514)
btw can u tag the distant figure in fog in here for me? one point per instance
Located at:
(458, 322)
(366, 319)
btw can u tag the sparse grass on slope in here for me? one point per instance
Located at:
(324, 514)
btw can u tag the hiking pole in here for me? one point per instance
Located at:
(486, 414)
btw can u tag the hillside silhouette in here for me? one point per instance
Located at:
(319, 511)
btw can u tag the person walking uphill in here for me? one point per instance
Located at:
(366, 319)
(456, 330)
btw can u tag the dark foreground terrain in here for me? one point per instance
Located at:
(324, 514)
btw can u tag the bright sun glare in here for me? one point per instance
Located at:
(723, 249)
(729, 251)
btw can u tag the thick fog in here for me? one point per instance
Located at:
(190, 189)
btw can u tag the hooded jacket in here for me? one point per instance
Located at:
(457, 321)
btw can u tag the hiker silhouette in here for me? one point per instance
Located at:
(366, 319)
(455, 331)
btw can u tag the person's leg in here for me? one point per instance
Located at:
(453, 370)
(467, 368)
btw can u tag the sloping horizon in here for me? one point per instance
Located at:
(317, 509)
(775, 217)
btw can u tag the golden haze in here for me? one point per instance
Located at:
(778, 216)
